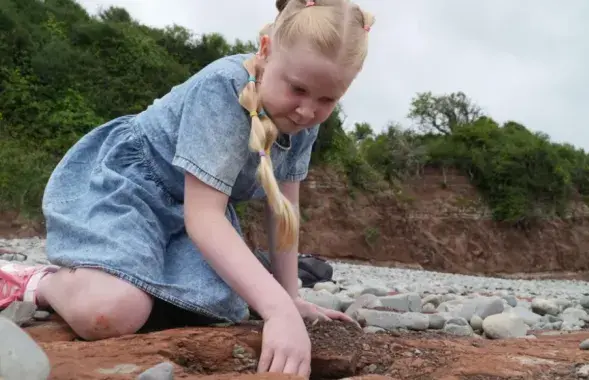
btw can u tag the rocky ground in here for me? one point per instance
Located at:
(415, 325)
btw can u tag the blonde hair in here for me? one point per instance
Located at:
(339, 30)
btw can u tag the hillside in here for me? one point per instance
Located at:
(434, 227)
(462, 192)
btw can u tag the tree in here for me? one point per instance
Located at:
(443, 113)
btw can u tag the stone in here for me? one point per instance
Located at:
(20, 356)
(162, 371)
(321, 298)
(392, 320)
(402, 302)
(544, 306)
(20, 312)
(367, 301)
(506, 325)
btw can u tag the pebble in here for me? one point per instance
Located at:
(20, 356)
(20, 312)
(162, 371)
(506, 325)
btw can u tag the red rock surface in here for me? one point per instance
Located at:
(339, 351)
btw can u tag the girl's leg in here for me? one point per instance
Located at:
(95, 304)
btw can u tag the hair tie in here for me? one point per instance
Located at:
(310, 4)
(262, 113)
(253, 113)
(252, 78)
(367, 28)
(262, 153)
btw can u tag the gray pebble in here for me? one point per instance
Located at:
(42, 315)
(584, 345)
(19, 312)
(162, 371)
(436, 321)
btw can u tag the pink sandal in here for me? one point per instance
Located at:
(19, 282)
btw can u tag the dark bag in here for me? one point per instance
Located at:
(312, 269)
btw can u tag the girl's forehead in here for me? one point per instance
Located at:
(314, 71)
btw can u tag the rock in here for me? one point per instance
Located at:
(392, 321)
(476, 322)
(529, 317)
(42, 315)
(458, 327)
(366, 301)
(510, 299)
(402, 302)
(327, 286)
(20, 356)
(584, 302)
(433, 299)
(573, 319)
(379, 292)
(584, 345)
(505, 325)
(436, 321)
(322, 298)
(481, 306)
(544, 306)
(162, 371)
(20, 312)
(583, 371)
(428, 308)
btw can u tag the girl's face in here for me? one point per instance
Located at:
(299, 87)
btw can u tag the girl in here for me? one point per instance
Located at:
(139, 212)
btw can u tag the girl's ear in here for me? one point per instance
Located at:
(264, 50)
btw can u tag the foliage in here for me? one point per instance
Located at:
(63, 72)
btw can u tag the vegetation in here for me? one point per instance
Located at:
(63, 72)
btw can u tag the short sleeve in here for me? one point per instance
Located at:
(299, 156)
(214, 132)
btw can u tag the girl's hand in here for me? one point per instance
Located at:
(314, 312)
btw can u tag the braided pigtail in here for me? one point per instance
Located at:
(262, 135)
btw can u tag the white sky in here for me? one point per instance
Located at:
(520, 60)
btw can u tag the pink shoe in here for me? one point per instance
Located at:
(19, 282)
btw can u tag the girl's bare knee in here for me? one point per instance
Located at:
(116, 316)
(101, 306)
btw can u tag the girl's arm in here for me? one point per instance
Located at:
(227, 253)
(285, 264)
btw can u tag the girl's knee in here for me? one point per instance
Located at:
(110, 317)
(103, 306)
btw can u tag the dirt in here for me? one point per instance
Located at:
(435, 222)
(339, 351)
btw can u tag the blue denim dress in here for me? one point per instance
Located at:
(115, 200)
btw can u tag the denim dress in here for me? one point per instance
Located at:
(115, 200)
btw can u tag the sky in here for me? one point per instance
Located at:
(519, 60)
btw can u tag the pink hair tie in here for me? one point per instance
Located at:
(310, 4)
(367, 28)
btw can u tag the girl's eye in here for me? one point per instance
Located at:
(297, 89)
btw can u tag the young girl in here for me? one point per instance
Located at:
(139, 212)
